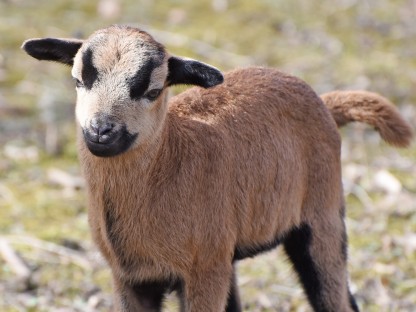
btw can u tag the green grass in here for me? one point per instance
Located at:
(330, 44)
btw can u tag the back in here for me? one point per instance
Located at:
(282, 138)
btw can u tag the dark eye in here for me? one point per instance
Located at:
(153, 94)
(78, 83)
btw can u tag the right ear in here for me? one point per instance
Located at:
(53, 49)
(192, 72)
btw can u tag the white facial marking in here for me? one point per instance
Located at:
(118, 55)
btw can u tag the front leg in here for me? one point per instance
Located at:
(140, 297)
(206, 290)
(233, 302)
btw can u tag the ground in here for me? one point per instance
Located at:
(343, 44)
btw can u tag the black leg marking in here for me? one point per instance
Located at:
(89, 71)
(251, 251)
(344, 245)
(297, 244)
(344, 250)
(180, 291)
(233, 301)
(353, 303)
(150, 295)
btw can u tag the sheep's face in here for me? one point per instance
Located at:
(121, 79)
(121, 76)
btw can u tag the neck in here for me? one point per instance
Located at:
(136, 163)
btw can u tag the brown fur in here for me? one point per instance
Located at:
(229, 168)
(373, 109)
(239, 173)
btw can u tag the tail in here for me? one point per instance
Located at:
(373, 109)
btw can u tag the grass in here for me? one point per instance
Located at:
(330, 44)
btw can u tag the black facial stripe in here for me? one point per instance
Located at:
(140, 81)
(89, 72)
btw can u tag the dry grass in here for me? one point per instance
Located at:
(331, 44)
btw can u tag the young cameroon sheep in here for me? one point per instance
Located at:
(181, 190)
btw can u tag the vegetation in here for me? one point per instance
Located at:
(342, 44)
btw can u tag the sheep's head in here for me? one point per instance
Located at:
(121, 76)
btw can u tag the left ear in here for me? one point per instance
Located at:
(53, 49)
(188, 71)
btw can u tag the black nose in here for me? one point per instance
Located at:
(101, 130)
(101, 127)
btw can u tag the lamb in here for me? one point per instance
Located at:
(180, 190)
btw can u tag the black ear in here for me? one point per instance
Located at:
(53, 49)
(187, 71)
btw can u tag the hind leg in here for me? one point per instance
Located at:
(319, 254)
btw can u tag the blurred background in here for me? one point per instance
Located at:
(47, 259)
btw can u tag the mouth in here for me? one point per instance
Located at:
(117, 144)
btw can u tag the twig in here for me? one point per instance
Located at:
(65, 180)
(69, 254)
(363, 197)
(13, 260)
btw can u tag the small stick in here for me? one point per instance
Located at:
(66, 253)
(13, 260)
